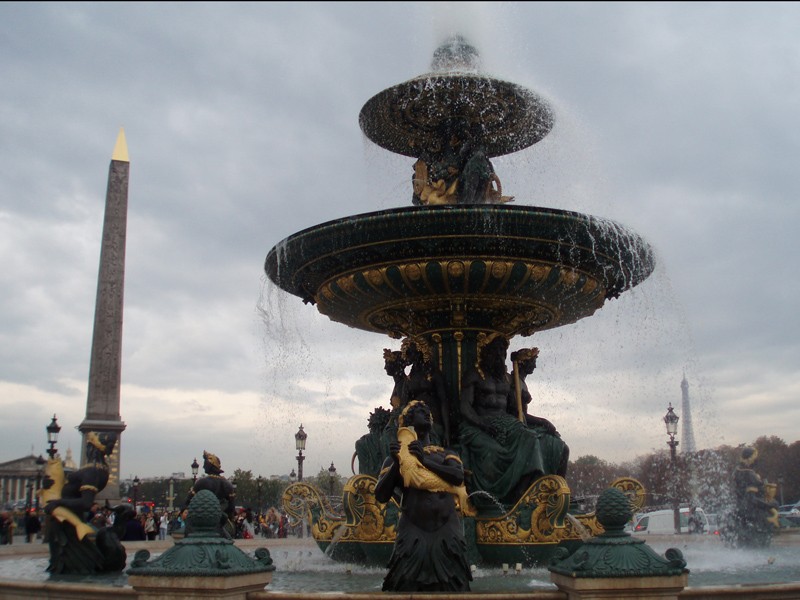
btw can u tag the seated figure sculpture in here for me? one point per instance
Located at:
(429, 552)
(504, 454)
(524, 362)
(221, 488)
(76, 546)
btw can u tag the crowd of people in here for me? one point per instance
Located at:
(25, 522)
(151, 525)
(270, 524)
(247, 525)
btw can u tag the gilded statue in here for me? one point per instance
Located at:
(77, 546)
(459, 172)
(221, 488)
(429, 553)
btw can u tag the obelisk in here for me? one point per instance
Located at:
(105, 367)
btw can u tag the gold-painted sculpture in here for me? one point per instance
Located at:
(417, 476)
(54, 471)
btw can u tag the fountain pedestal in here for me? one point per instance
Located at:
(203, 564)
(183, 587)
(616, 565)
(604, 588)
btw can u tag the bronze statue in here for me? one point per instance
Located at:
(458, 171)
(426, 383)
(429, 553)
(524, 362)
(221, 488)
(503, 454)
(755, 514)
(369, 447)
(395, 365)
(76, 546)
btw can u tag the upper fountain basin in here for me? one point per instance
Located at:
(418, 118)
(417, 270)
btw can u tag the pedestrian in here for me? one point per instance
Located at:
(4, 528)
(134, 531)
(150, 527)
(32, 525)
(11, 525)
(695, 523)
(163, 526)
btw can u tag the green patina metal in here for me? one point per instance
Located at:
(456, 269)
(204, 552)
(615, 553)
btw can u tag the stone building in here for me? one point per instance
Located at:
(21, 479)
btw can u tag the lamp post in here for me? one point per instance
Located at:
(259, 483)
(780, 487)
(171, 493)
(52, 437)
(135, 491)
(300, 444)
(195, 467)
(332, 473)
(40, 462)
(292, 479)
(671, 421)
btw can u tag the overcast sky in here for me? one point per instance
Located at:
(680, 121)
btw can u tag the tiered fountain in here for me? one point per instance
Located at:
(461, 265)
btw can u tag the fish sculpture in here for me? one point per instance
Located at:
(417, 476)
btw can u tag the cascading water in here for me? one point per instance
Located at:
(463, 262)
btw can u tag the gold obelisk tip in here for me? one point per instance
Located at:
(121, 148)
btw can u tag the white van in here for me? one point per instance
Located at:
(663, 521)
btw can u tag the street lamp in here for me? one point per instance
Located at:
(780, 487)
(136, 483)
(52, 436)
(195, 467)
(300, 445)
(171, 493)
(40, 462)
(259, 483)
(671, 421)
(292, 479)
(332, 473)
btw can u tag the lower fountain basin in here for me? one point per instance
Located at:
(415, 270)
(303, 571)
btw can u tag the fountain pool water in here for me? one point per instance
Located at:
(302, 567)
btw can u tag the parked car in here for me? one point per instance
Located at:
(789, 515)
(714, 523)
(663, 521)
